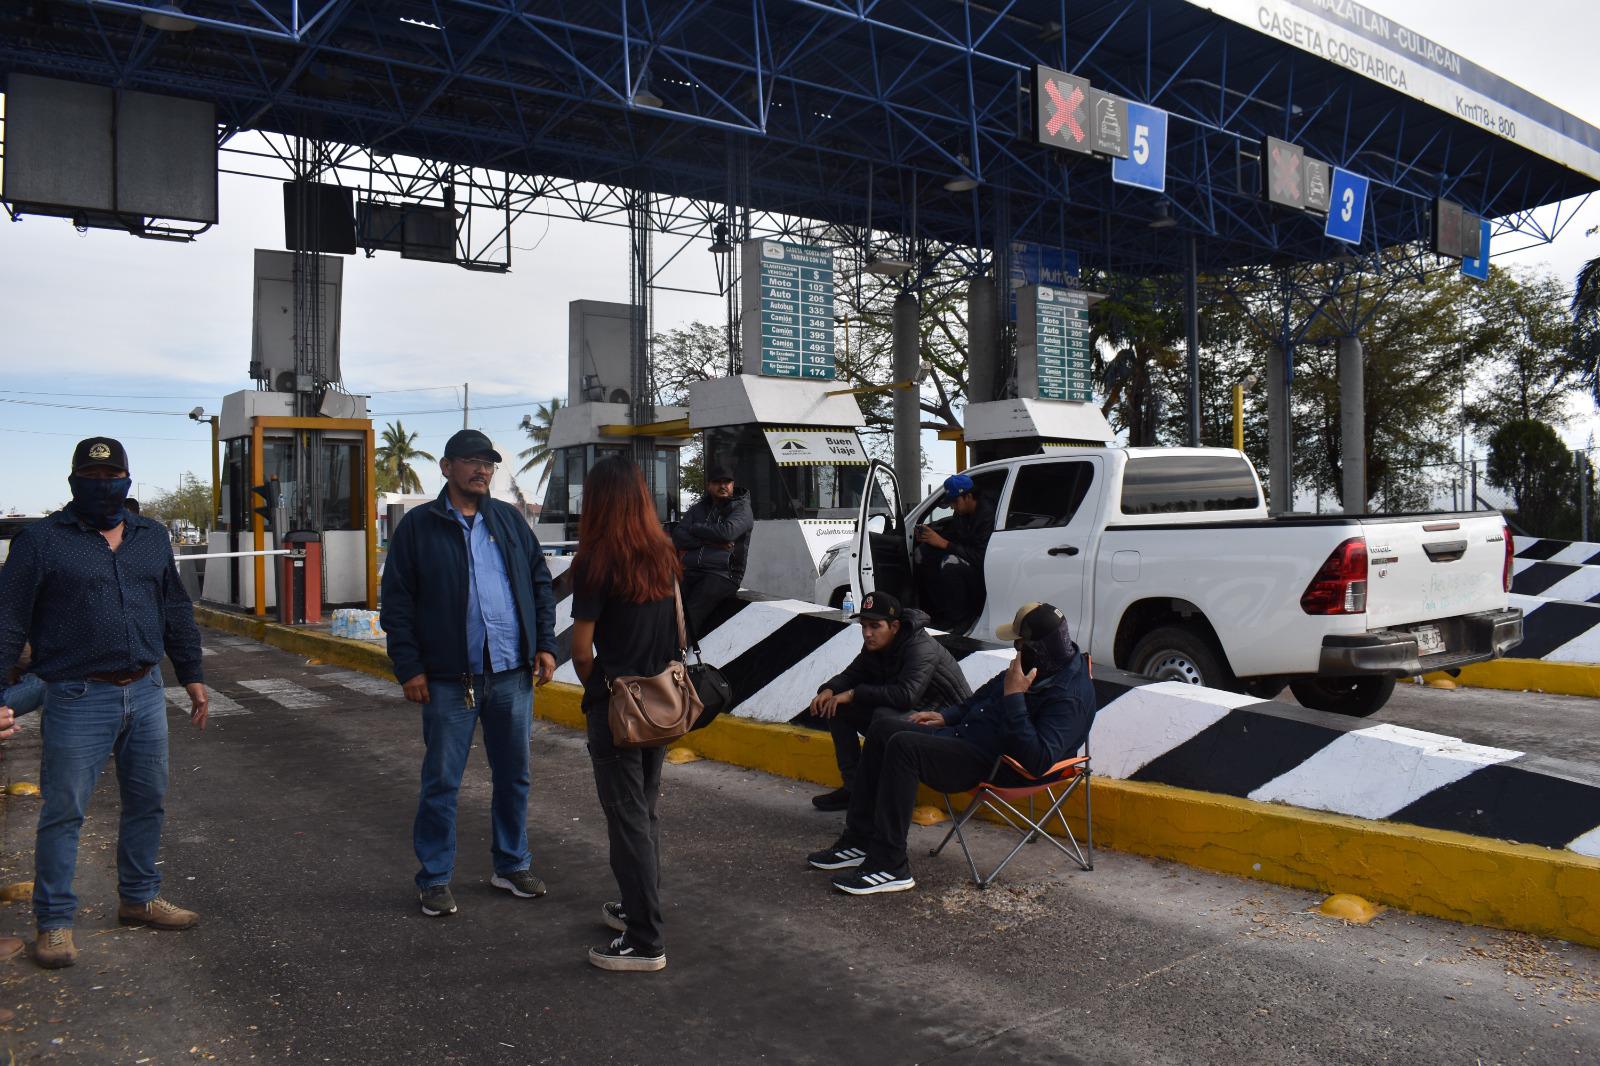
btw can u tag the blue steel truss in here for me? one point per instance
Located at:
(857, 113)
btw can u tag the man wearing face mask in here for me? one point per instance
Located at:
(97, 594)
(1037, 711)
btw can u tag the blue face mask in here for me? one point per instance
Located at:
(98, 501)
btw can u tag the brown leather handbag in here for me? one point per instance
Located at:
(649, 712)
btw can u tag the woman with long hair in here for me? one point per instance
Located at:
(624, 622)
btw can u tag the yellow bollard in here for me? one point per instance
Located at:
(1349, 908)
(679, 756)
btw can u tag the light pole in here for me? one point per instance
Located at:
(199, 415)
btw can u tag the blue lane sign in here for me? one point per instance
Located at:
(1347, 206)
(1146, 165)
(1479, 268)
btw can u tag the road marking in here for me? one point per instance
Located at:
(286, 693)
(220, 705)
(365, 684)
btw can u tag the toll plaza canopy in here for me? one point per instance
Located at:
(895, 115)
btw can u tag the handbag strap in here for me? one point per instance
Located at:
(683, 637)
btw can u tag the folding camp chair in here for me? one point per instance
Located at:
(1065, 777)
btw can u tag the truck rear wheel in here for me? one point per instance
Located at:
(1355, 696)
(1172, 653)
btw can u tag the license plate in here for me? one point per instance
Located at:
(1429, 640)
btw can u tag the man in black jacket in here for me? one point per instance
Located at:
(471, 617)
(713, 538)
(1038, 712)
(901, 668)
(948, 559)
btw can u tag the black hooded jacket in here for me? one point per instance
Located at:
(708, 525)
(913, 673)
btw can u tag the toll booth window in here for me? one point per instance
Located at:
(666, 484)
(1187, 483)
(342, 498)
(827, 490)
(1048, 494)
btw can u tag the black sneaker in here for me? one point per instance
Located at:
(622, 956)
(869, 882)
(614, 916)
(837, 800)
(520, 883)
(437, 901)
(843, 854)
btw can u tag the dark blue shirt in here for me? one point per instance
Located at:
(89, 610)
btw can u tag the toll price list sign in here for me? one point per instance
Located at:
(788, 309)
(1057, 355)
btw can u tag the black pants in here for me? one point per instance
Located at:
(703, 592)
(848, 725)
(897, 755)
(629, 781)
(950, 589)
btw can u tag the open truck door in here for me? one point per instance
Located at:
(879, 557)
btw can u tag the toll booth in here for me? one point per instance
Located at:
(322, 467)
(1004, 429)
(794, 445)
(599, 421)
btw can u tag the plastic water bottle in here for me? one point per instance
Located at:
(849, 604)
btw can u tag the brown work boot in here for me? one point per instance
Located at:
(55, 949)
(158, 914)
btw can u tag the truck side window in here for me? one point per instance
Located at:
(1185, 483)
(988, 485)
(1048, 494)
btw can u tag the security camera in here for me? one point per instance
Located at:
(198, 413)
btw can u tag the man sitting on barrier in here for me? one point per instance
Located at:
(1037, 711)
(900, 668)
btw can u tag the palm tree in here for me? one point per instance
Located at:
(537, 427)
(1585, 348)
(394, 459)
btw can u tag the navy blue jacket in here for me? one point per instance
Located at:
(424, 609)
(1038, 728)
(89, 610)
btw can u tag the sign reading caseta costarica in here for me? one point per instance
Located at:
(1358, 38)
(788, 309)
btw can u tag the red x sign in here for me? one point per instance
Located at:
(1066, 110)
(1061, 105)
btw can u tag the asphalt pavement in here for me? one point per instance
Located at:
(289, 829)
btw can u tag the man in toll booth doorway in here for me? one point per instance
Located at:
(713, 539)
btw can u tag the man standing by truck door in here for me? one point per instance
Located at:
(948, 559)
(713, 538)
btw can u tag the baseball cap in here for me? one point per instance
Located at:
(880, 606)
(99, 451)
(1033, 621)
(469, 444)
(955, 485)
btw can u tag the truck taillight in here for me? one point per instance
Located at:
(1340, 586)
(1511, 554)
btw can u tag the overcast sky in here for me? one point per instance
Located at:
(101, 319)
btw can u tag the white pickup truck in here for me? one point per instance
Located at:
(1167, 564)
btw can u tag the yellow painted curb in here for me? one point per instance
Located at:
(1531, 675)
(1429, 871)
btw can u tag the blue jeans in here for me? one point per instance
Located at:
(504, 704)
(85, 723)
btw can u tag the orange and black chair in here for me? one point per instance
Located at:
(1058, 783)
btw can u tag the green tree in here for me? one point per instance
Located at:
(1520, 340)
(1141, 321)
(190, 502)
(537, 427)
(394, 458)
(1528, 460)
(1584, 346)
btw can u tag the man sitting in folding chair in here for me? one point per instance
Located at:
(1037, 712)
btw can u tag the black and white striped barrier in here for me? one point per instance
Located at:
(1580, 552)
(1579, 582)
(1558, 631)
(776, 652)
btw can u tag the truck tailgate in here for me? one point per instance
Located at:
(1435, 566)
